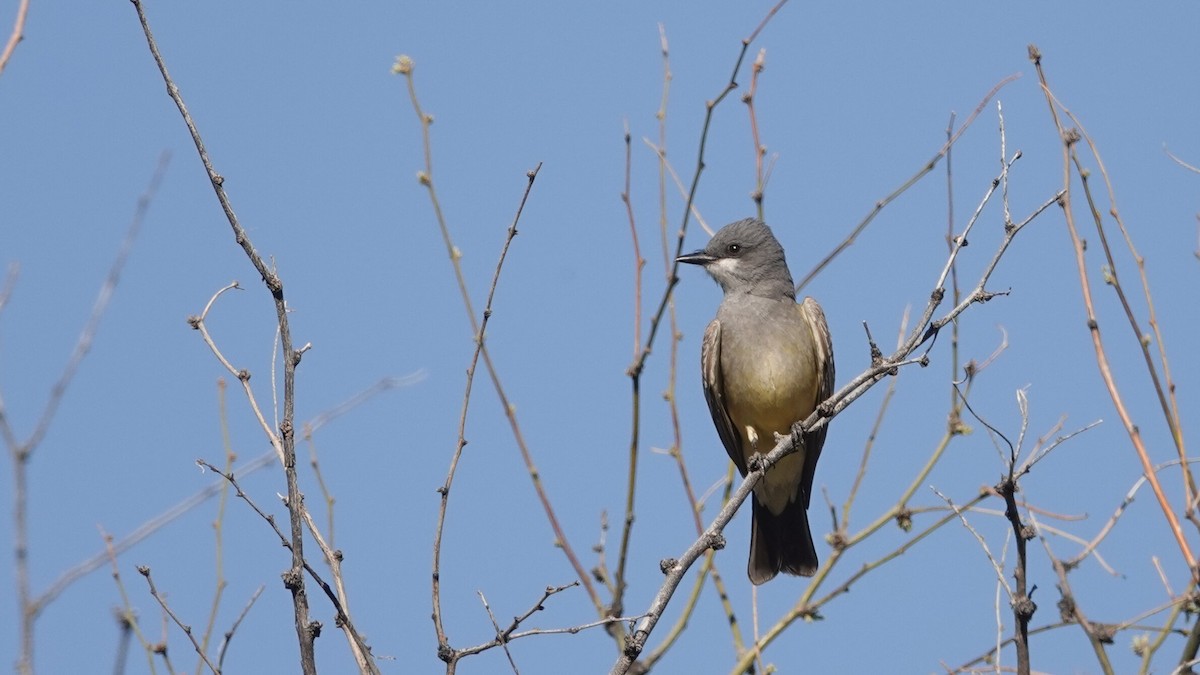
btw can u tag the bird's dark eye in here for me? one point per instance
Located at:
(734, 249)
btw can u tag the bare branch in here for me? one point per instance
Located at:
(445, 651)
(187, 630)
(18, 34)
(306, 631)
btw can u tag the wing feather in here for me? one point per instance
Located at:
(714, 394)
(823, 345)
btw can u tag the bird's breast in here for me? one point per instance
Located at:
(768, 363)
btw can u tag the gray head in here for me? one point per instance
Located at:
(744, 257)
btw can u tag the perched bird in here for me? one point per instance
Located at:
(767, 363)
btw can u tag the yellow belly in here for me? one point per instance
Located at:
(767, 397)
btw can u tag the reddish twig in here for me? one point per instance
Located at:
(18, 34)
(1069, 138)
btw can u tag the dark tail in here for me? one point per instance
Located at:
(780, 543)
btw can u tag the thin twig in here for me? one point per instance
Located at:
(955, 415)
(1036, 455)
(1069, 606)
(22, 452)
(233, 629)
(143, 532)
(496, 625)
(806, 608)
(510, 632)
(1093, 324)
(639, 263)
(386, 384)
(1179, 161)
(695, 505)
(18, 34)
(445, 651)
(6, 290)
(362, 653)
(342, 618)
(844, 523)
(1164, 388)
(760, 150)
(617, 606)
(912, 180)
(991, 655)
(200, 323)
(404, 66)
(148, 528)
(1120, 511)
(187, 630)
(84, 344)
(126, 614)
(661, 153)
(639, 363)
(987, 552)
(219, 523)
(309, 429)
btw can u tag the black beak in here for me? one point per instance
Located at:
(700, 257)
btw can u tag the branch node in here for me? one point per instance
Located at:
(837, 540)
(810, 614)
(1104, 632)
(1066, 609)
(299, 353)
(633, 647)
(291, 579)
(716, 541)
(1024, 607)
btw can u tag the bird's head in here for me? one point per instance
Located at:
(744, 257)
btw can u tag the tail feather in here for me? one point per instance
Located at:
(780, 543)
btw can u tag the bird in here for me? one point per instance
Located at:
(766, 363)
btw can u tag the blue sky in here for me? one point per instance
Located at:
(320, 150)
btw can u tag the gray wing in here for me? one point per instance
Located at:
(714, 393)
(823, 343)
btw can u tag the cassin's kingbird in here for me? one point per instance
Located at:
(767, 363)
